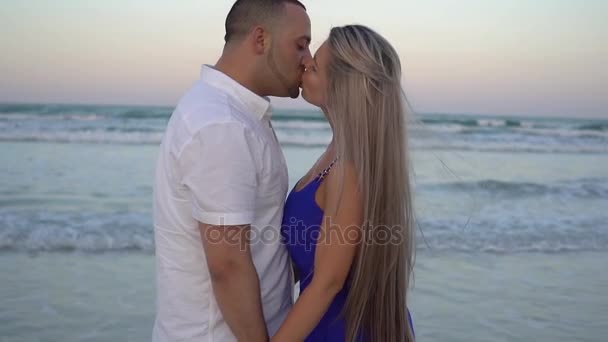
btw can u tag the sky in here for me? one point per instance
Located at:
(516, 57)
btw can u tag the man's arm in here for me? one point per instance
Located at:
(234, 279)
(219, 167)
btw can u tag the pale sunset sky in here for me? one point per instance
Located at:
(516, 57)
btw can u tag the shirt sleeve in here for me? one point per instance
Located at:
(219, 169)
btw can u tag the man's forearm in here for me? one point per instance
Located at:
(238, 296)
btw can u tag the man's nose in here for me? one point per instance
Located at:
(307, 54)
(307, 61)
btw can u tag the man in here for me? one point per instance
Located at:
(221, 182)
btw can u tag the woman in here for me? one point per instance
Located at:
(348, 222)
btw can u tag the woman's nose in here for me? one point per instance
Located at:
(307, 62)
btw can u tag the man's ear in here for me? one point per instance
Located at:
(261, 40)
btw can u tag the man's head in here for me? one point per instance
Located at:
(272, 38)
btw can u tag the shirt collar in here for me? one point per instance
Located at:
(256, 105)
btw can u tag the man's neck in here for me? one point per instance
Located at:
(236, 70)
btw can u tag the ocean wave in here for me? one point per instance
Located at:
(75, 231)
(152, 136)
(90, 137)
(151, 113)
(512, 123)
(473, 122)
(39, 231)
(563, 132)
(511, 234)
(298, 116)
(301, 125)
(26, 108)
(603, 126)
(77, 112)
(303, 140)
(83, 116)
(509, 147)
(425, 142)
(301, 128)
(590, 188)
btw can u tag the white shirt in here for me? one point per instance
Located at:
(221, 164)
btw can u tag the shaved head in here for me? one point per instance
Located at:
(246, 14)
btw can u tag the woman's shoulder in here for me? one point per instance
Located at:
(342, 184)
(342, 173)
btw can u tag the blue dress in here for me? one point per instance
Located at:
(302, 220)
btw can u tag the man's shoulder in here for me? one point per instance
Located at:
(204, 105)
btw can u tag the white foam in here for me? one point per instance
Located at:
(99, 137)
(304, 125)
(491, 123)
(303, 140)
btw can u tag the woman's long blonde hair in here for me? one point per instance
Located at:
(367, 109)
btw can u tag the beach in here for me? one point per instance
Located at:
(512, 214)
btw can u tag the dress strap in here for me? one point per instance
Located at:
(327, 169)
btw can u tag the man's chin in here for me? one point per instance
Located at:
(294, 93)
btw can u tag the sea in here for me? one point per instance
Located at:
(512, 222)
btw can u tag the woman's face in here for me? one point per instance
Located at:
(314, 79)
